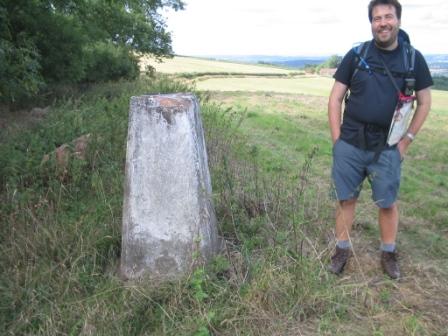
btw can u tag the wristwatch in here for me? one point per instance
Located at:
(410, 136)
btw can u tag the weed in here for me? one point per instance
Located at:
(412, 326)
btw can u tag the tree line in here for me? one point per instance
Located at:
(440, 83)
(332, 62)
(48, 42)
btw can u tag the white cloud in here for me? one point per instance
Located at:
(295, 27)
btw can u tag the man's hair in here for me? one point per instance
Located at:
(394, 3)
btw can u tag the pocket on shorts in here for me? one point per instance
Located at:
(400, 158)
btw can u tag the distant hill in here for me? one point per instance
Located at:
(259, 65)
(438, 63)
(293, 62)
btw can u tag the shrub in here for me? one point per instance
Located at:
(109, 62)
(68, 42)
(19, 70)
(440, 83)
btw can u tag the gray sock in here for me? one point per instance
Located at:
(344, 244)
(387, 247)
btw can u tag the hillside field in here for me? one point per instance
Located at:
(287, 117)
(183, 64)
(269, 154)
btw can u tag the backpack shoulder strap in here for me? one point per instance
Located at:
(409, 65)
(409, 57)
(361, 51)
(362, 48)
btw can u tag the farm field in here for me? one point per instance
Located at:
(182, 64)
(312, 85)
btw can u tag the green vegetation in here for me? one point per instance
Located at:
(57, 42)
(269, 155)
(440, 83)
(331, 63)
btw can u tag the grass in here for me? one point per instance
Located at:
(285, 126)
(269, 155)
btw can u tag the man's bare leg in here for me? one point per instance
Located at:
(388, 221)
(345, 215)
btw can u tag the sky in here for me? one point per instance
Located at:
(295, 27)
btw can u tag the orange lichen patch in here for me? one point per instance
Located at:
(168, 106)
(173, 102)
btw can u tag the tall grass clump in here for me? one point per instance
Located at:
(275, 224)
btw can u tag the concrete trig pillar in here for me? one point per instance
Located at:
(168, 213)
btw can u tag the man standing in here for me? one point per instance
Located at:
(360, 150)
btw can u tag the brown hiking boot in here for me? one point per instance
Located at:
(339, 259)
(390, 264)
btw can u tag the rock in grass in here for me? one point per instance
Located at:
(64, 153)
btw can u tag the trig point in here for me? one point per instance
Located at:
(168, 215)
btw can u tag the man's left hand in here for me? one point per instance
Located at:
(403, 146)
